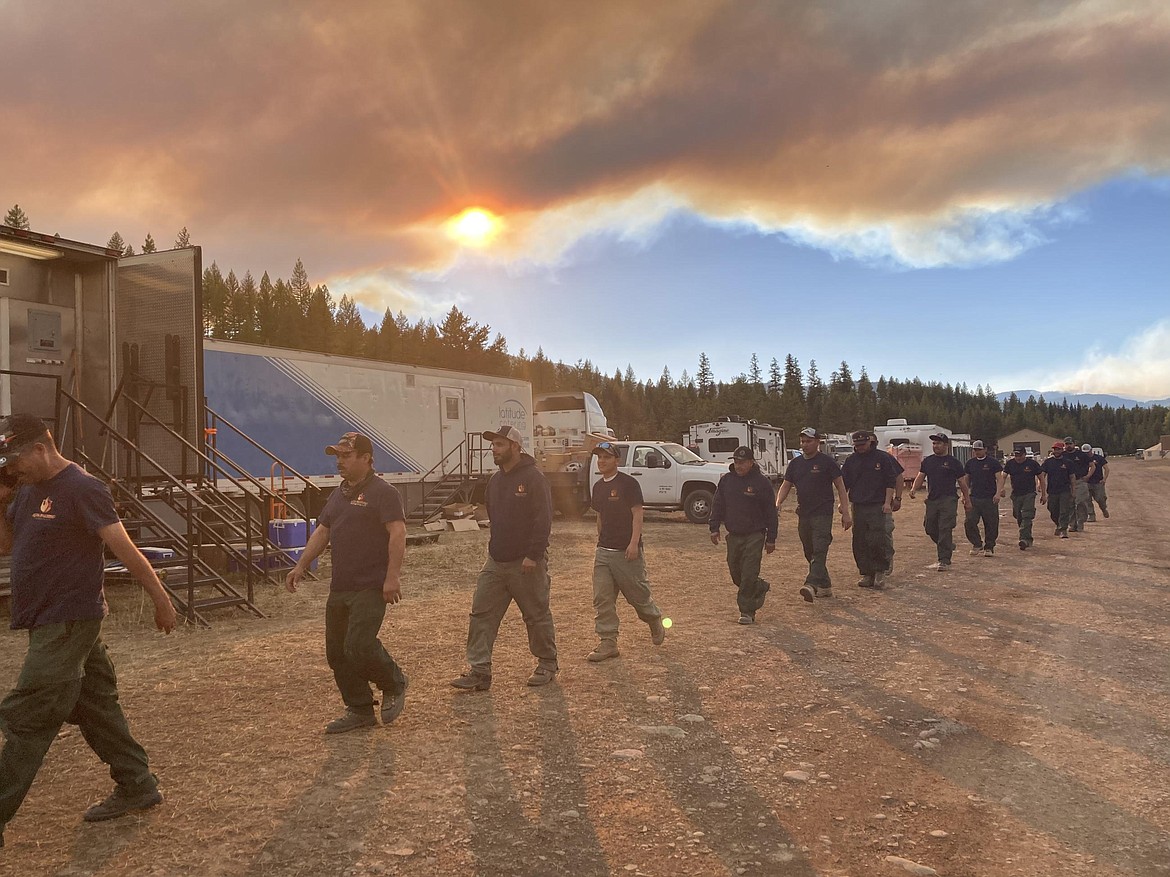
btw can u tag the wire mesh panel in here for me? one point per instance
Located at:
(158, 319)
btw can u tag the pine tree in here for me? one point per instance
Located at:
(704, 379)
(349, 328)
(775, 378)
(298, 285)
(148, 244)
(184, 240)
(116, 243)
(17, 218)
(129, 251)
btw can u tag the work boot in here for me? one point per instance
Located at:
(1023, 545)
(542, 676)
(1105, 512)
(879, 581)
(657, 632)
(744, 618)
(1062, 534)
(989, 552)
(808, 593)
(823, 592)
(865, 582)
(472, 681)
(604, 650)
(939, 567)
(121, 801)
(392, 706)
(351, 721)
(976, 551)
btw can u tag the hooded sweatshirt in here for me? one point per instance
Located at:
(745, 504)
(519, 505)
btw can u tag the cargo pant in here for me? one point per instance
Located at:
(498, 584)
(355, 654)
(939, 523)
(744, 554)
(985, 510)
(1060, 506)
(1097, 492)
(67, 677)
(816, 535)
(1083, 504)
(613, 573)
(1024, 511)
(872, 538)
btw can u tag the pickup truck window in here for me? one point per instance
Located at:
(680, 454)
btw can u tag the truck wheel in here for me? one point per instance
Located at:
(697, 506)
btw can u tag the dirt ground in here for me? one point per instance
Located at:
(1009, 717)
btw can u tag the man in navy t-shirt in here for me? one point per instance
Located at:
(364, 522)
(815, 475)
(1024, 473)
(55, 526)
(618, 563)
(1057, 477)
(1096, 482)
(944, 473)
(985, 477)
(872, 481)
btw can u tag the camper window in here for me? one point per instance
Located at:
(722, 445)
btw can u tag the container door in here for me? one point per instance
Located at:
(452, 425)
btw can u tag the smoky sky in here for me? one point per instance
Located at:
(356, 128)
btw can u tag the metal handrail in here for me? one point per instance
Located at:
(218, 418)
(248, 561)
(157, 523)
(427, 494)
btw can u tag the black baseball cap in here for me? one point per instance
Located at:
(18, 431)
(743, 452)
(862, 435)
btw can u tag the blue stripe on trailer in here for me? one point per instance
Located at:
(278, 413)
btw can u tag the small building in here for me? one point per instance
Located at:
(1029, 441)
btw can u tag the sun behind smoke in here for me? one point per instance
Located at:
(474, 227)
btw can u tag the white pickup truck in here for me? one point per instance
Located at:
(672, 477)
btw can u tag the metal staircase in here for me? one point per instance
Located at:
(191, 529)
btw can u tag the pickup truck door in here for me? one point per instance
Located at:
(659, 483)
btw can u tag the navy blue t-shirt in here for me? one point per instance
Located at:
(1098, 474)
(357, 533)
(813, 479)
(56, 550)
(982, 475)
(868, 475)
(1080, 462)
(614, 502)
(1059, 471)
(1023, 475)
(942, 473)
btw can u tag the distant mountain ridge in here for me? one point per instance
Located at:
(1090, 399)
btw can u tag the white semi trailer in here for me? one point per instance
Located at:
(294, 403)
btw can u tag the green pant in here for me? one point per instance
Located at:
(1097, 492)
(872, 539)
(1083, 504)
(939, 523)
(352, 647)
(1024, 511)
(985, 510)
(816, 535)
(744, 553)
(614, 574)
(1060, 509)
(67, 677)
(499, 583)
